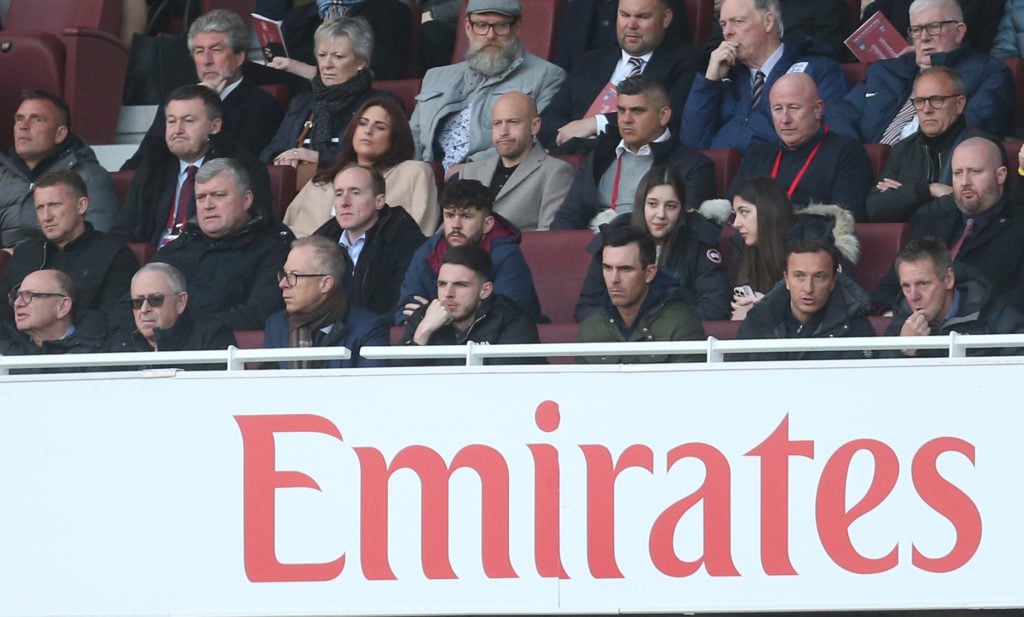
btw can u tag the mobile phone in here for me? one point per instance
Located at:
(743, 291)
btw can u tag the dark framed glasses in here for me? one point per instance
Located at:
(27, 297)
(481, 28)
(293, 277)
(156, 300)
(935, 101)
(933, 29)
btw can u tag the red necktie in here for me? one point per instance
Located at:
(968, 228)
(179, 214)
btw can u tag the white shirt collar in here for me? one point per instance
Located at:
(645, 150)
(230, 88)
(769, 64)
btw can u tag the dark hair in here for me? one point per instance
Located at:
(400, 149)
(63, 111)
(652, 91)
(926, 248)
(377, 184)
(660, 175)
(191, 92)
(625, 235)
(466, 194)
(810, 245)
(763, 263)
(471, 256)
(67, 177)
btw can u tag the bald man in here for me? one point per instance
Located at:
(810, 162)
(984, 231)
(528, 186)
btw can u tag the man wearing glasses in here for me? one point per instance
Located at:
(159, 304)
(227, 253)
(44, 319)
(452, 119)
(880, 110)
(317, 312)
(918, 169)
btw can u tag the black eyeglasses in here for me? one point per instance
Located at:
(933, 29)
(481, 28)
(28, 296)
(935, 101)
(156, 300)
(293, 277)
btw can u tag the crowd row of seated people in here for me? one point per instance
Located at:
(201, 195)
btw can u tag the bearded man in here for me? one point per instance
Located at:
(452, 119)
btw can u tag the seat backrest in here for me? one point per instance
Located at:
(576, 160)
(54, 15)
(405, 89)
(27, 60)
(279, 92)
(122, 182)
(282, 189)
(143, 251)
(558, 261)
(878, 154)
(879, 245)
(249, 339)
(854, 72)
(724, 329)
(4, 258)
(700, 15)
(1017, 68)
(727, 163)
(537, 29)
(880, 323)
(853, 14)
(558, 333)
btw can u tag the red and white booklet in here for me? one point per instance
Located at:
(268, 33)
(607, 101)
(876, 39)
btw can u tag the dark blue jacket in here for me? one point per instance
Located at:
(512, 277)
(868, 109)
(359, 327)
(718, 113)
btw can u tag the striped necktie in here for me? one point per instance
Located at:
(636, 67)
(757, 90)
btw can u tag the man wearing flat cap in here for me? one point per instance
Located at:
(452, 119)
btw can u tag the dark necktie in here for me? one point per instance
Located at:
(636, 67)
(757, 90)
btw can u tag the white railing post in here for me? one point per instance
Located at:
(956, 349)
(714, 355)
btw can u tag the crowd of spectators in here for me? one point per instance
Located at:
(606, 136)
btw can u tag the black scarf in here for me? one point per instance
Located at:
(329, 102)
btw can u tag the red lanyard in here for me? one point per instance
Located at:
(803, 170)
(615, 187)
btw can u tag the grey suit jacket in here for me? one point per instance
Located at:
(534, 191)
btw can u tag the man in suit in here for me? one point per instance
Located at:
(581, 109)
(589, 25)
(218, 41)
(161, 198)
(528, 186)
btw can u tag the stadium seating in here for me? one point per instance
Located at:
(122, 182)
(27, 60)
(854, 72)
(143, 251)
(558, 261)
(249, 339)
(282, 189)
(879, 245)
(405, 89)
(537, 30)
(700, 16)
(5, 256)
(576, 160)
(1017, 68)
(724, 329)
(93, 60)
(878, 154)
(727, 163)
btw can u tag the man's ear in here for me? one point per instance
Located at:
(664, 115)
(650, 272)
(180, 302)
(82, 206)
(60, 134)
(247, 198)
(215, 125)
(535, 126)
(949, 281)
(486, 290)
(379, 201)
(488, 223)
(327, 283)
(64, 307)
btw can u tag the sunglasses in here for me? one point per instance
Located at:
(155, 300)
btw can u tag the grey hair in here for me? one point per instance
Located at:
(356, 29)
(227, 165)
(955, 80)
(952, 6)
(326, 255)
(220, 20)
(770, 6)
(175, 279)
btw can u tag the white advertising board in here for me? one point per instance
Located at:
(712, 488)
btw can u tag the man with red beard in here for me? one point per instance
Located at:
(452, 119)
(979, 222)
(468, 219)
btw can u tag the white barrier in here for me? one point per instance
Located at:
(476, 490)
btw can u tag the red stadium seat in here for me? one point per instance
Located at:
(439, 177)
(405, 89)
(27, 60)
(94, 59)
(143, 251)
(537, 29)
(1017, 68)
(880, 323)
(878, 154)
(279, 92)
(122, 182)
(854, 72)
(558, 333)
(558, 261)
(576, 160)
(242, 7)
(727, 163)
(5, 256)
(249, 339)
(879, 245)
(282, 189)
(701, 16)
(724, 329)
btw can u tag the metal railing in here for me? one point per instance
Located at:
(474, 354)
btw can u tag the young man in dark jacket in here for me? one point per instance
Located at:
(812, 301)
(379, 240)
(467, 309)
(641, 303)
